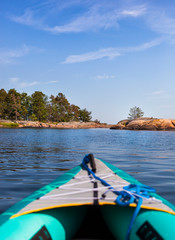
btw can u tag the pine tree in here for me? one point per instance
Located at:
(39, 105)
(135, 112)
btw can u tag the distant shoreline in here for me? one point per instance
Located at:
(59, 125)
(152, 124)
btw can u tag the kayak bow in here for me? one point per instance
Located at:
(93, 193)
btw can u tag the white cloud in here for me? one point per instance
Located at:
(104, 77)
(110, 53)
(27, 84)
(18, 83)
(159, 92)
(135, 11)
(50, 82)
(27, 19)
(88, 22)
(144, 46)
(9, 56)
(96, 16)
(161, 22)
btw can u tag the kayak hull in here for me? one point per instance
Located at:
(63, 224)
(148, 223)
(73, 206)
(60, 223)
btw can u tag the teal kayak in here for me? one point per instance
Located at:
(95, 200)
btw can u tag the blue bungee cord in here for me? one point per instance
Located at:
(133, 193)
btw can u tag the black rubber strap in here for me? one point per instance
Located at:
(92, 162)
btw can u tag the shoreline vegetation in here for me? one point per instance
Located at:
(20, 110)
(17, 106)
(151, 124)
(58, 125)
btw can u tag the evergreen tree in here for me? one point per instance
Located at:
(3, 105)
(60, 108)
(39, 106)
(25, 106)
(74, 112)
(84, 115)
(13, 104)
(135, 112)
(53, 110)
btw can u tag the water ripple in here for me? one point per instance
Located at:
(31, 158)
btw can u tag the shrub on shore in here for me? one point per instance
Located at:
(8, 125)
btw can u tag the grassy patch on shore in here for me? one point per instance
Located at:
(9, 125)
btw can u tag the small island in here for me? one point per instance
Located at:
(136, 121)
(143, 123)
(20, 110)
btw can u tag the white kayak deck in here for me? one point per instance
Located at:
(84, 189)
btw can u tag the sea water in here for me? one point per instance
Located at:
(31, 158)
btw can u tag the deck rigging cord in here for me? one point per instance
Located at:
(132, 193)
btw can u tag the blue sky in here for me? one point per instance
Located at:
(104, 55)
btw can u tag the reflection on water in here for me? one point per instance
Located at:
(31, 158)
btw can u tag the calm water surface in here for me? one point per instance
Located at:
(31, 158)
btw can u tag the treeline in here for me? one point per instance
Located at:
(39, 107)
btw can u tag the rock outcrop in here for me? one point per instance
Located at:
(68, 125)
(146, 124)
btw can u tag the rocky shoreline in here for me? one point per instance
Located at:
(60, 125)
(153, 124)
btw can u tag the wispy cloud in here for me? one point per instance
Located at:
(90, 21)
(143, 46)
(158, 92)
(51, 82)
(27, 84)
(27, 18)
(97, 16)
(109, 53)
(9, 56)
(160, 21)
(104, 77)
(18, 83)
(134, 11)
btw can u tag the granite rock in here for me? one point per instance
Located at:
(146, 124)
